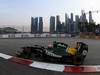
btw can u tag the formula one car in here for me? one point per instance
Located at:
(57, 52)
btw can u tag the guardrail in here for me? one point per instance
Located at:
(28, 35)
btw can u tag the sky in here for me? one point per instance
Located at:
(17, 13)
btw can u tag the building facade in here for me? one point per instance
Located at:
(90, 17)
(52, 24)
(62, 27)
(58, 24)
(77, 20)
(83, 22)
(66, 23)
(71, 24)
(32, 25)
(36, 25)
(40, 28)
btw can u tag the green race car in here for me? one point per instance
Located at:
(57, 52)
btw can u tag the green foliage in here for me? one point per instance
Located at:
(87, 27)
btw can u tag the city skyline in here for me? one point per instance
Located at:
(80, 24)
(39, 24)
(17, 13)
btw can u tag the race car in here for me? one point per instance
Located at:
(58, 52)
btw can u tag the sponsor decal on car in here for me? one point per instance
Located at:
(52, 54)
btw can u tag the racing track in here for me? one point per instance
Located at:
(10, 46)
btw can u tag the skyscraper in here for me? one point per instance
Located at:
(72, 17)
(62, 27)
(83, 17)
(52, 24)
(32, 25)
(83, 22)
(76, 23)
(36, 25)
(66, 23)
(90, 17)
(58, 24)
(71, 24)
(40, 30)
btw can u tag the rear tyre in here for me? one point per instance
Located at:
(84, 53)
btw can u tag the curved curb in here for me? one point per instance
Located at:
(21, 60)
(53, 67)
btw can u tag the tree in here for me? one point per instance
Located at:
(86, 27)
(91, 27)
(83, 26)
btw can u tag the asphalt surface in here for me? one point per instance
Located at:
(11, 46)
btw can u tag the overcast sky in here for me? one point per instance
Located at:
(17, 13)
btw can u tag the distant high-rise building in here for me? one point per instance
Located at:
(66, 23)
(76, 23)
(71, 24)
(90, 17)
(83, 22)
(32, 25)
(77, 18)
(72, 17)
(58, 24)
(62, 27)
(36, 25)
(40, 25)
(83, 17)
(52, 24)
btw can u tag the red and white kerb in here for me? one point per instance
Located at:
(53, 67)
